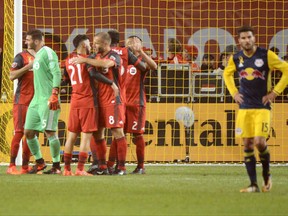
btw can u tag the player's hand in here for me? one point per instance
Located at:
(77, 60)
(115, 89)
(53, 101)
(269, 98)
(238, 98)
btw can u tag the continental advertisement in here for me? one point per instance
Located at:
(205, 136)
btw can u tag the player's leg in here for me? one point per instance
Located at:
(26, 151)
(245, 129)
(112, 156)
(250, 164)
(83, 154)
(95, 161)
(51, 119)
(18, 134)
(68, 149)
(32, 125)
(121, 144)
(101, 149)
(140, 152)
(25, 157)
(262, 132)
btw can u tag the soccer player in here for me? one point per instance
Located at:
(136, 100)
(128, 58)
(44, 109)
(21, 70)
(84, 105)
(254, 66)
(111, 108)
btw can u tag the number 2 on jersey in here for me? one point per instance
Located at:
(73, 69)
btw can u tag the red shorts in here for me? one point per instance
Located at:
(83, 120)
(135, 119)
(112, 116)
(19, 116)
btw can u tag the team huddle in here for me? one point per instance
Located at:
(100, 99)
(108, 92)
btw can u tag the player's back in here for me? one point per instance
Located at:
(84, 92)
(25, 87)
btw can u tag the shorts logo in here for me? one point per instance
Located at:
(238, 131)
(259, 62)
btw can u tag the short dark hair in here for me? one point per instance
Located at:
(114, 35)
(135, 36)
(104, 37)
(36, 34)
(245, 29)
(78, 39)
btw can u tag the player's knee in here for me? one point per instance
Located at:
(30, 134)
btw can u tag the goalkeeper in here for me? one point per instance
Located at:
(44, 109)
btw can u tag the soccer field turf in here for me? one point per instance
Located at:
(164, 190)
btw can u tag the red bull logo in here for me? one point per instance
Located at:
(250, 74)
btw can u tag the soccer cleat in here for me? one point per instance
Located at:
(268, 186)
(82, 173)
(12, 170)
(25, 171)
(37, 168)
(53, 171)
(119, 172)
(138, 171)
(111, 170)
(250, 189)
(67, 173)
(92, 168)
(101, 171)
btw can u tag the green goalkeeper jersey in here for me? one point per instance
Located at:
(47, 74)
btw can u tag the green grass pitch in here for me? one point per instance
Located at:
(164, 190)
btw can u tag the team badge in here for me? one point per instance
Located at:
(133, 71)
(259, 62)
(14, 65)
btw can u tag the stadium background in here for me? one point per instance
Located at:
(209, 25)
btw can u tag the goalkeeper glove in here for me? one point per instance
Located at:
(53, 101)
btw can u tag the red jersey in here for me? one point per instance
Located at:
(25, 88)
(84, 91)
(128, 58)
(135, 89)
(105, 92)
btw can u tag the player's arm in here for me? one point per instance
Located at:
(275, 63)
(17, 69)
(133, 60)
(150, 63)
(101, 78)
(228, 76)
(104, 63)
(56, 73)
